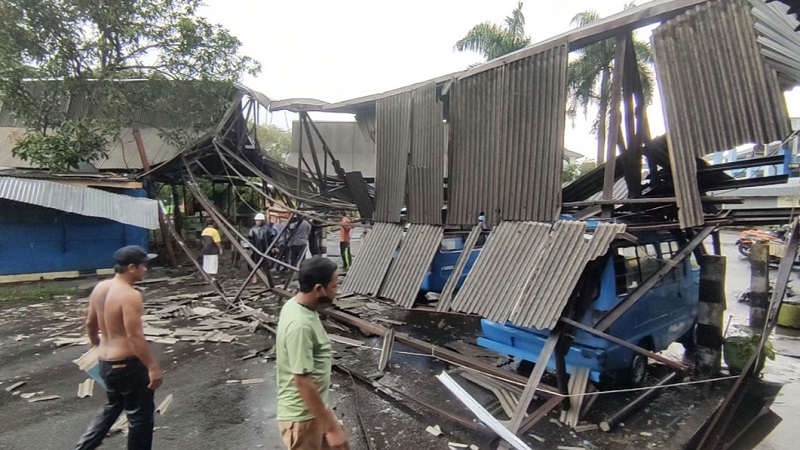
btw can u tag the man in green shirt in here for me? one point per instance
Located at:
(304, 363)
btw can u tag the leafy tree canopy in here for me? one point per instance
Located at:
(66, 68)
(494, 41)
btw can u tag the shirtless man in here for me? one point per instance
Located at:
(127, 365)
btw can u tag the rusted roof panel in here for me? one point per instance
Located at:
(780, 43)
(393, 136)
(527, 270)
(417, 249)
(508, 132)
(717, 90)
(373, 260)
(426, 165)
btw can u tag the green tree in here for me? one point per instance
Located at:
(572, 172)
(493, 40)
(81, 56)
(589, 77)
(275, 141)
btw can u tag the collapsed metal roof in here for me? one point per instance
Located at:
(527, 271)
(408, 268)
(136, 211)
(718, 92)
(369, 269)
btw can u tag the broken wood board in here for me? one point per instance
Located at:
(253, 381)
(386, 350)
(43, 399)
(471, 350)
(15, 386)
(345, 340)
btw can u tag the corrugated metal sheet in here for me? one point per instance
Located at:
(140, 212)
(358, 189)
(426, 164)
(780, 44)
(508, 132)
(717, 92)
(393, 136)
(122, 152)
(373, 260)
(408, 269)
(527, 270)
(445, 299)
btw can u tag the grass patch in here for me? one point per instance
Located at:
(32, 293)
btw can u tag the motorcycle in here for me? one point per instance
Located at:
(748, 237)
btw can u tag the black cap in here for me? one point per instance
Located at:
(131, 254)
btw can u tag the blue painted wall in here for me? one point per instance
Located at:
(39, 240)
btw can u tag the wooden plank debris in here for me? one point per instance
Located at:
(253, 381)
(346, 340)
(15, 386)
(28, 395)
(434, 430)
(43, 399)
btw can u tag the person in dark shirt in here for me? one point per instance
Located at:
(260, 237)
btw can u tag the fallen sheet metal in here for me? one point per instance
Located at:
(527, 270)
(481, 412)
(412, 262)
(446, 299)
(717, 92)
(370, 266)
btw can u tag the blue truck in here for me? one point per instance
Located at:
(666, 314)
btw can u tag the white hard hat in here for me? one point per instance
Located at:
(260, 216)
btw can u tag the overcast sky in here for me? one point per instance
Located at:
(342, 49)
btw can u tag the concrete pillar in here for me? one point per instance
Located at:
(759, 284)
(708, 334)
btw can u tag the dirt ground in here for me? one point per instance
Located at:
(209, 413)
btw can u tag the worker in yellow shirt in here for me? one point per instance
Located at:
(212, 248)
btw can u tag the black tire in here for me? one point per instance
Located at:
(744, 250)
(637, 373)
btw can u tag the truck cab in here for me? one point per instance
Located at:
(667, 313)
(450, 249)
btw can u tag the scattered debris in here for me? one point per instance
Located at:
(481, 412)
(120, 426)
(162, 408)
(233, 381)
(15, 386)
(253, 381)
(587, 427)
(43, 399)
(86, 389)
(456, 445)
(345, 340)
(28, 395)
(434, 430)
(386, 350)
(538, 438)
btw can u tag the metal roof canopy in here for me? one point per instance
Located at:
(624, 21)
(136, 211)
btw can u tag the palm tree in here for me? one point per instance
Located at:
(589, 78)
(493, 40)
